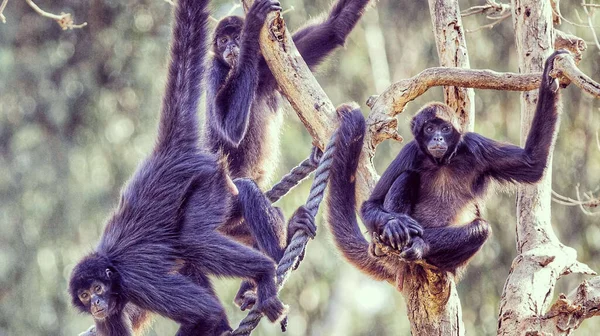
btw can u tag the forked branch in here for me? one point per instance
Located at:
(64, 20)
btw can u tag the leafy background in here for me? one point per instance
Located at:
(78, 111)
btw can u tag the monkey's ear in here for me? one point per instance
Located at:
(108, 273)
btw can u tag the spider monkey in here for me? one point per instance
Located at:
(243, 102)
(243, 109)
(169, 213)
(427, 202)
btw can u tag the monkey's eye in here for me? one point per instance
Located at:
(236, 37)
(98, 289)
(84, 296)
(445, 129)
(223, 40)
(429, 129)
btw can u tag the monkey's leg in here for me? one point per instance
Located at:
(220, 255)
(176, 297)
(451, 246)
(264, 221)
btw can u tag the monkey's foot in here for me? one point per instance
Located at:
(246, 296)
(417, 250)
(376, 247)
(273, 309)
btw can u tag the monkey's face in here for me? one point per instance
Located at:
(97, 299)
(438, 136)
(228, 47)
(95, 288)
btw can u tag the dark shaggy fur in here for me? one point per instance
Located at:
(428, 206)
(170, 211)
(243, 103)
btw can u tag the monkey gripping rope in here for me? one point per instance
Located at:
(300, 239)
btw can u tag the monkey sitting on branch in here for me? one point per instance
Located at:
(426, 205)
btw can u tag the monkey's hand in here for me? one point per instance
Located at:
(246, 296)
(549, 82)
(303, 220)
(259, 10)
(397, 231)
(417, 250)
(315, 156)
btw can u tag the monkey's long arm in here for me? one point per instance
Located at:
(316, 41)
(523, 165)
(373, 212)
(234, 98)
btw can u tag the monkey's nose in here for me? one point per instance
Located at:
(438, 138)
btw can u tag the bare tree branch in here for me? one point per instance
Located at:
(556, 15)
(590, 24)
(2, 6)
(393, 100)
(564, 66)
(297, 83)
(568, 312)
(589, 202)
(451, 45)
(497, 12)
(64, 20)
(571, 43)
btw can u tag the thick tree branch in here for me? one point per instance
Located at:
(568, 312)
(306, 96)
(393, 100)
(564, 66)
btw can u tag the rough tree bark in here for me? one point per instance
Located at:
(542, 258)
(452, 51)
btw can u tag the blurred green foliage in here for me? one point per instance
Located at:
(78, 110)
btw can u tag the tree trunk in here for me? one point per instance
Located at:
(452, 51)
(542, 258)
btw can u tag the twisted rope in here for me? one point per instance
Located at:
(300, 239)
(295, 176)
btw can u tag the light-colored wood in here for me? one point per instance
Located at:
(452, 51)
(542, 258)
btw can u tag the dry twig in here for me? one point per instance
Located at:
(590, 14)
(497, 12)
(64, 20)
(590, 201)
(2, 6)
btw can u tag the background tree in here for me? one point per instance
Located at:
(78, 111)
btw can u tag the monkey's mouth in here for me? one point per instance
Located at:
(99, 313)
(231, 56)
(437, 151)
